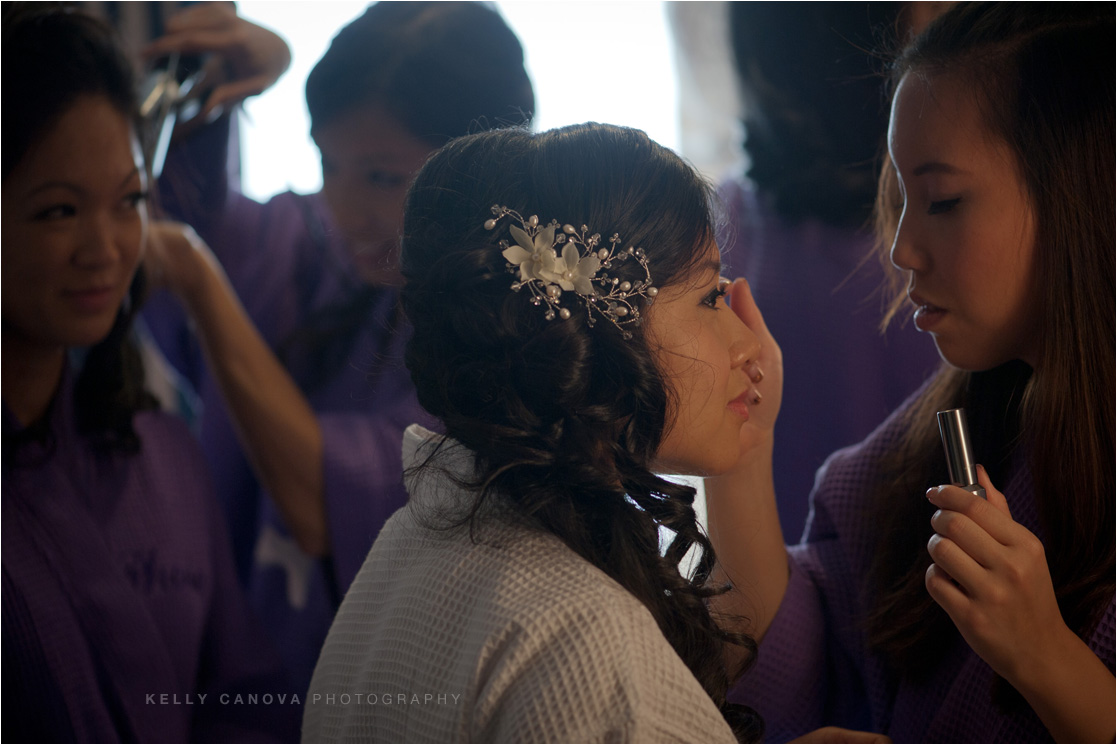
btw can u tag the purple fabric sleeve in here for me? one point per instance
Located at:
(292, 272)
(815, 666)
(789, 661)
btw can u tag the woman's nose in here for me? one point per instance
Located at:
(745, 346)
(903, 254)
(99, 246)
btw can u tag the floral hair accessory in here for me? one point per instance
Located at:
(551, 260)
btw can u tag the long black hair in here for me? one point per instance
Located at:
(565, 419)
(1040, 74)
(52, 57)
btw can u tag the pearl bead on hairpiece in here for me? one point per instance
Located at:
(582, 268)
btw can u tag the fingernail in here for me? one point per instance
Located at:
(756, 396)
(754, 372)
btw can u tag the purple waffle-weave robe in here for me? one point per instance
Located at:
(122, 616)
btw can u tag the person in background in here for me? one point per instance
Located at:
(798, 226)
(296, 310)
(571, 334)
(921, 610)
(119, 591)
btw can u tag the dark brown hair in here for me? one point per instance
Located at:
(565, 419)
(1041, 75)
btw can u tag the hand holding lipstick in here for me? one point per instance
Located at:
(990, 574)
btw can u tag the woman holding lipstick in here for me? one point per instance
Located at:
(945, 617)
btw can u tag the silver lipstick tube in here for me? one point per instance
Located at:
(959, 454)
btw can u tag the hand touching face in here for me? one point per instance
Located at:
(705, 352)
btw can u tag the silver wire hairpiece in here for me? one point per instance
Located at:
(552, 260)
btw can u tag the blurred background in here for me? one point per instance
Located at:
(614, 62)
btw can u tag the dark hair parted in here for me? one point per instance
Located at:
(565, 419)
(443, 69)
(815, 111)
(52, 57)
(1040, 74)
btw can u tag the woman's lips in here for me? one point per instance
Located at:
(926, 315)
(740, 406)
(93, 300)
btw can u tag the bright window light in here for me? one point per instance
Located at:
(589, 61)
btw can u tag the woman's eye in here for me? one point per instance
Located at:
(56, 212)
(718, 292)
(135, 199)
(938, 207)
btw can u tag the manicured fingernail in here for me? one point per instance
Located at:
(754, 372)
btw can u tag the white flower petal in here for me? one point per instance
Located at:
(570, 256)
(545, 238)
(515, 254)
(547, 260)
(582, 285)
(522, 238)
(588, 267)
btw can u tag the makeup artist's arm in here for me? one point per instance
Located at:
(248, 59)
(744, 524)
(275, 424)
(990, 574)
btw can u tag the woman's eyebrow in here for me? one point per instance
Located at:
(71, 186)
(937, 166)
(709, 267)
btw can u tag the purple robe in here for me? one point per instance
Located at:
(289, 266)
(814, 667)
(821, 300)
(122, 616)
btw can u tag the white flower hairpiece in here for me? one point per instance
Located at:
(581, 267)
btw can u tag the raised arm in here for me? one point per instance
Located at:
(744, 525)
(248, 59)
(274, 421)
